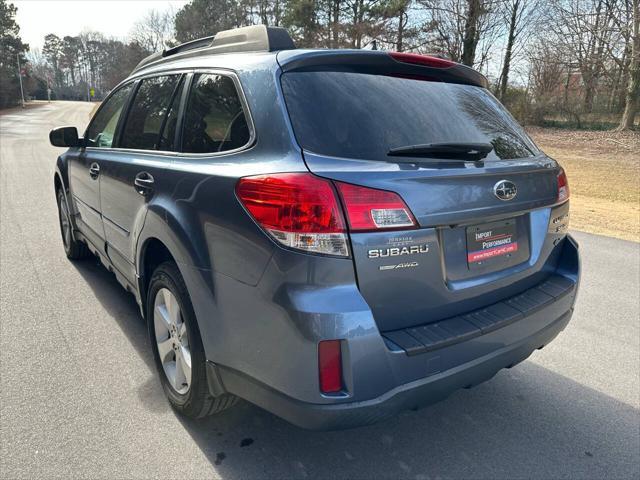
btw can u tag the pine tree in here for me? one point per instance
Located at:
(11, 47)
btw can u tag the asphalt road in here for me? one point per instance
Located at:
(80, 398)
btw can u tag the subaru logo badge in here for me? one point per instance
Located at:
(505, 190)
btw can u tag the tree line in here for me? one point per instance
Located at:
(547, 60)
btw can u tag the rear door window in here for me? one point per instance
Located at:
(214, 119)
(148, 112)
(363, 116)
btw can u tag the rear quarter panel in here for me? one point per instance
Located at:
(207, 230)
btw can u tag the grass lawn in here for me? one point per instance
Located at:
(604, 178)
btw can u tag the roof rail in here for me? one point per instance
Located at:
(254, 38)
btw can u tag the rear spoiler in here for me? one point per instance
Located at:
(408, 65)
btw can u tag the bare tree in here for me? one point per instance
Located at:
(462, 29)
(518, 16)
(403, 21)
(546, 70)
(155, 31)
(471, 34)
(633, 88)
(395, 25)
(618, 52)
(583, 28)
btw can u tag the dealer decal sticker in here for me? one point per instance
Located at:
(491, 240)
(490, 252)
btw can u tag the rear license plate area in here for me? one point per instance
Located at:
(494, 243)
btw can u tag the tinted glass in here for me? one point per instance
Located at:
(168, 134)
(103, 126)
(363, 116)
(214, 120)
(147, 113)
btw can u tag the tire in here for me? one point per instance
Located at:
(188, 393)
(74, 249)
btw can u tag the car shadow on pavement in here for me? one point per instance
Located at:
(526, 422)
(119, 303)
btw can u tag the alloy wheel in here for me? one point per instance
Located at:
(172, 340)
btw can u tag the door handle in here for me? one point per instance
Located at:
(143, 183)
(94, 170)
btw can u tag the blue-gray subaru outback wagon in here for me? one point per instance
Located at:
(333, 235)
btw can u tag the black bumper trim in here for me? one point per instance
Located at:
(444, 333)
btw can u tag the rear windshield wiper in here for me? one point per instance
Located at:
(455, 151)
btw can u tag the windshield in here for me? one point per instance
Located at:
(364, 116)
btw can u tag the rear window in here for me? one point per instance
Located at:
(357, 115)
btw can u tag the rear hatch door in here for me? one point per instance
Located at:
(481, 222)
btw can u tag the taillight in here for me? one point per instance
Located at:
(417, 59)
(299, 210)
(330, 366)
(371, 209)
(563, 186)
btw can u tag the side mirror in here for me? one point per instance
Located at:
(64, 137)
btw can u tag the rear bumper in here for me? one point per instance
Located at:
(409, 377)
(383, 376)
(412, 395)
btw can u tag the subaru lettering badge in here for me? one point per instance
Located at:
(505, 190)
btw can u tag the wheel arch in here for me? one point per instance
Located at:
(168, 233)
(60, 180)
(61, 183)
(60, 176)
(57, 182)
(153, 252)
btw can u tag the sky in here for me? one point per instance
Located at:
(114, 18)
